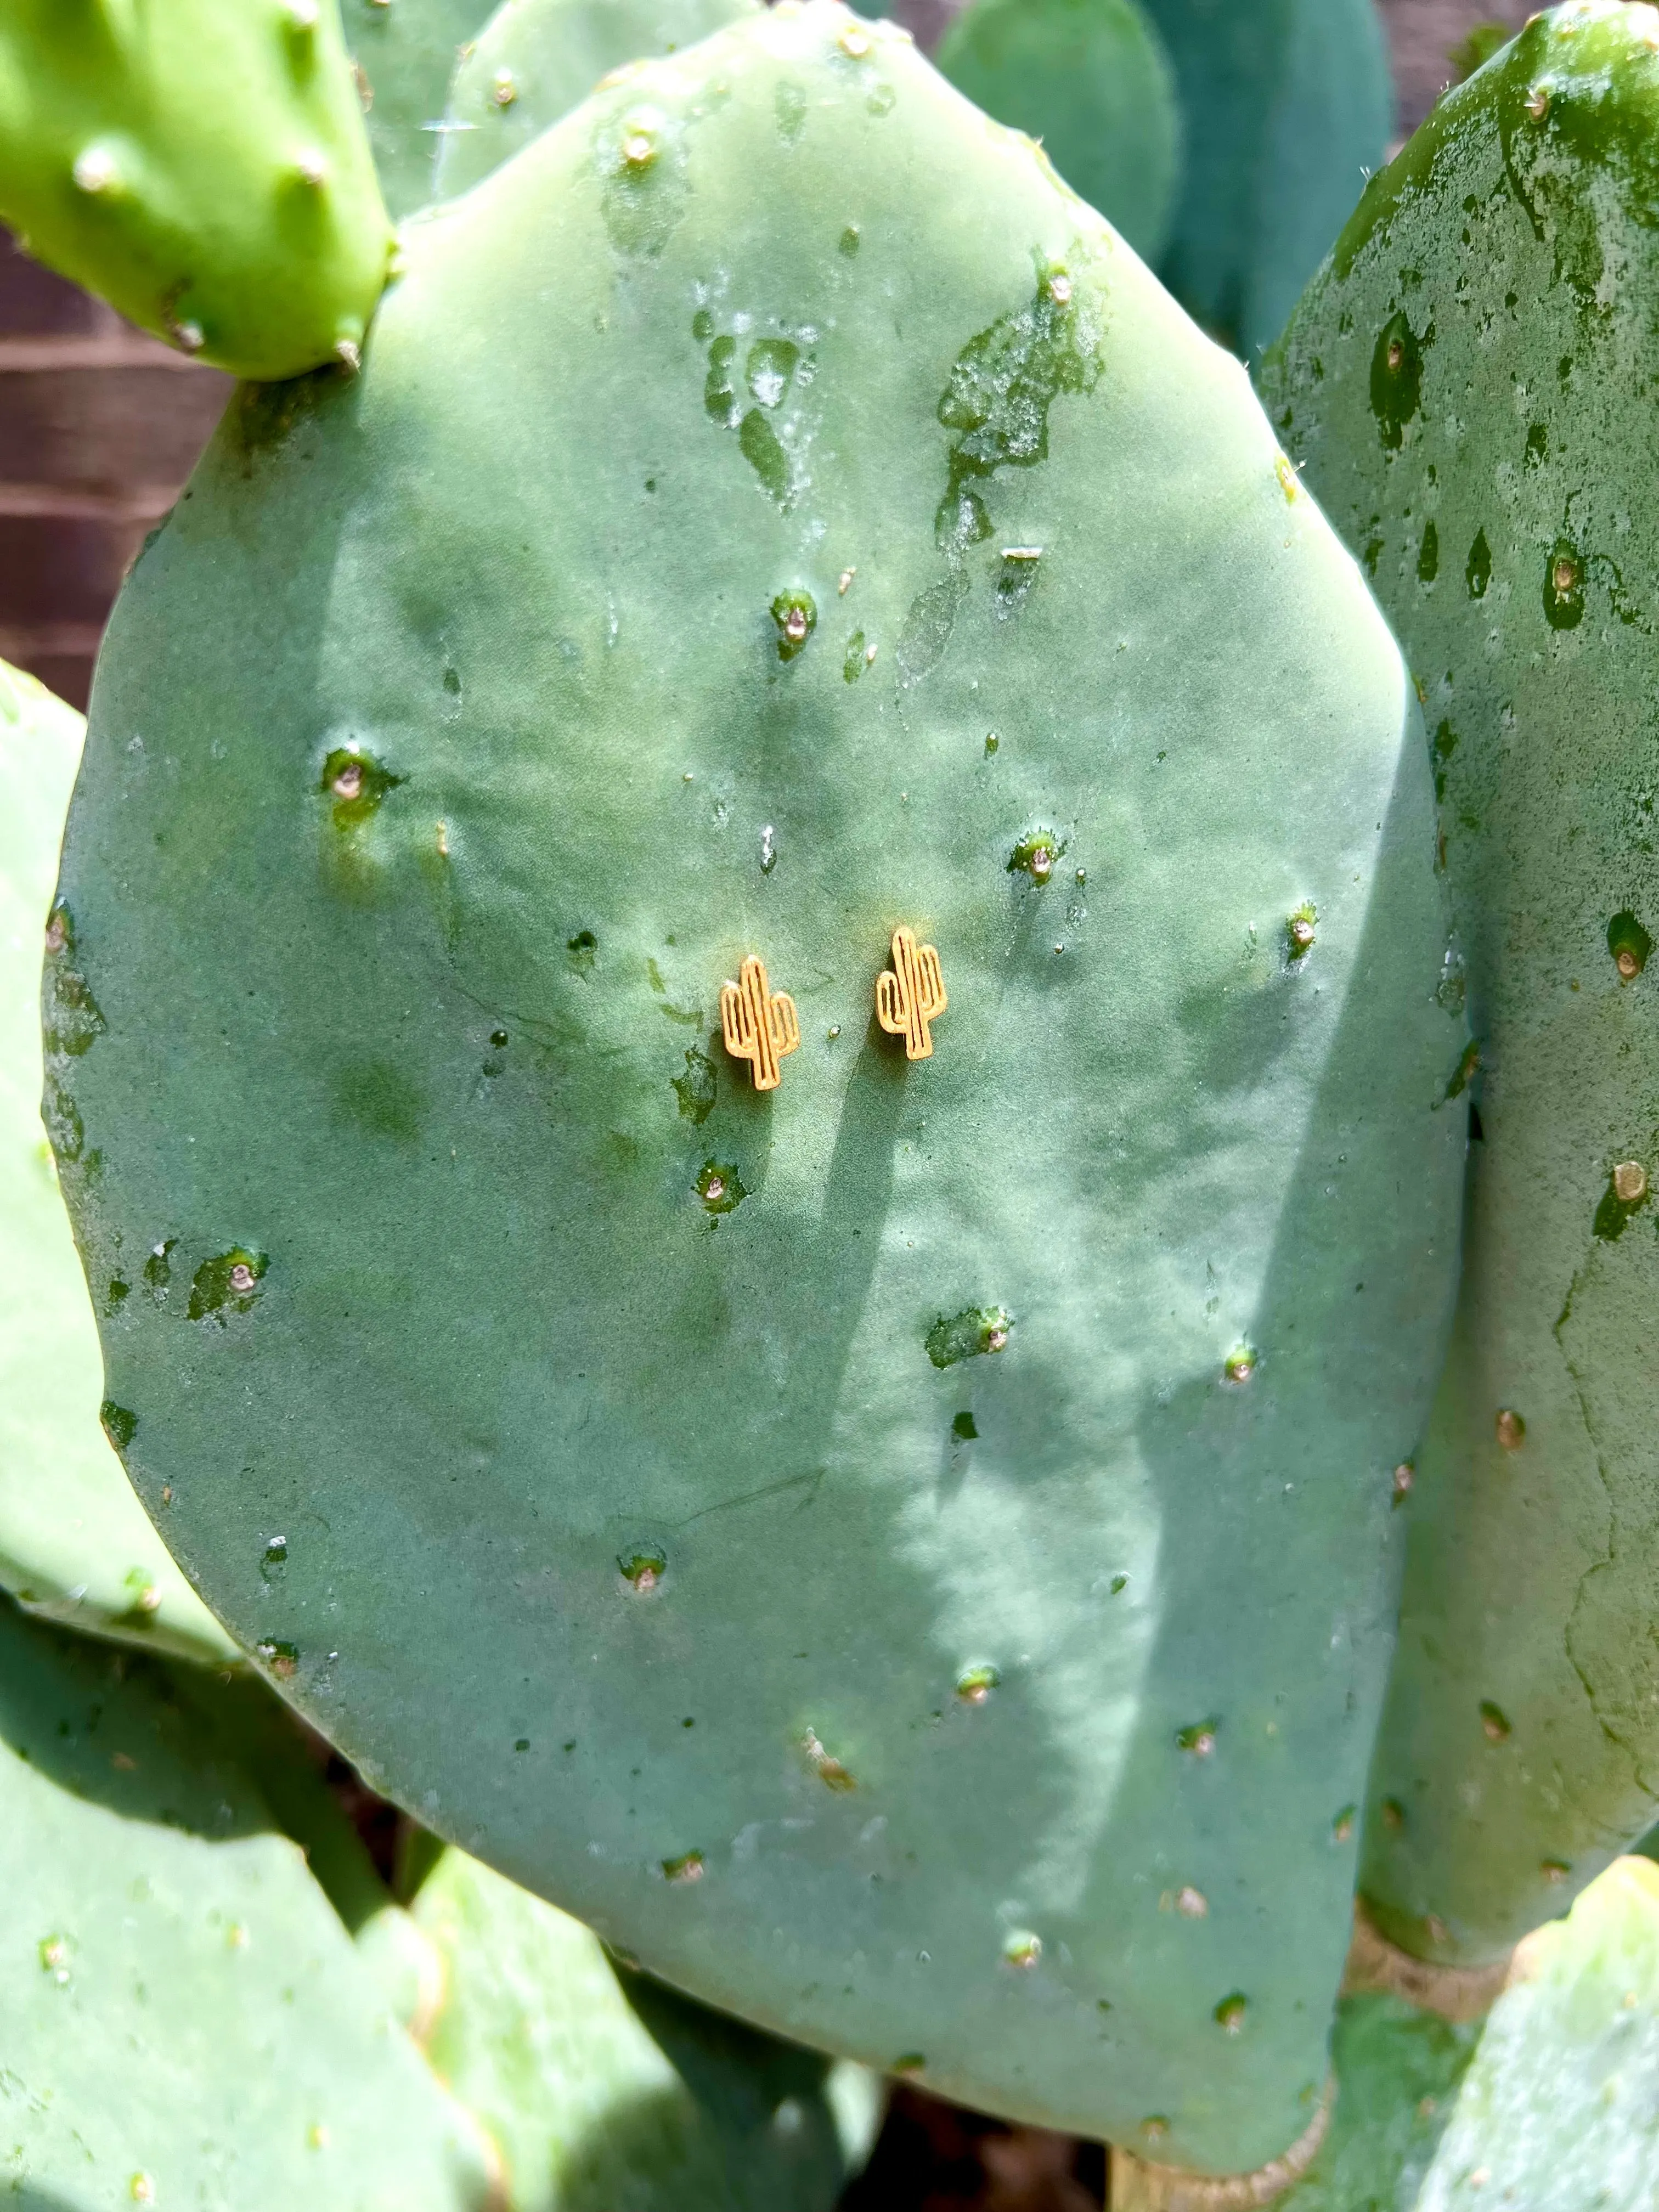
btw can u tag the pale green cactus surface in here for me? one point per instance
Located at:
(908, 1555)
(1091, 79)
(535, 59)
(598, 2086)
(203, 166)
(407, 52)
(75, 1542)
(180, 2010)
(1287, 107)
(1466, 384)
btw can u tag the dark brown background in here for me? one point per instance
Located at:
(99, 427)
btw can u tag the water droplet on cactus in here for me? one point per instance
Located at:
(643, 1569)
(1493, 1724)
(829, 1771)
(796, 615)
(1299, 932)
(1199, 1738)
(965, 1336)
(1022, 1949)
(1511, 1429)
(283, 1659)
(1630, 946)
(975, 1683)
(689, 1868)
(719, 1187)
(1229, 2012)
(1191, 1904)
(1239, 1365)
(1037, 853)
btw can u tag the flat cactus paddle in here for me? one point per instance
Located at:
(535, 59)
(597, 2086)
(180, 2009)
(1286, 107)
(1091, 79)
(74, 1543)
(406, 54)
(1463, 384)
(203, 166)
(906, 1553)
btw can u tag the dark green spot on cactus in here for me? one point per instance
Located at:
(1229, 2012)
(1016, 574)
(581, 949)
(521, 1743)
(703, 324)
(1003, 384)
(231, 1280)
(975, 1683)
(119, 1424)
(1428, 556)
(282, 1659)
(1036, 855)
(1342, 1827)
(71, 1019)
(1538, 447)
(1495, 1728)
(273, 1559)
(117, 1295)
(1239, 1365)
(1564, 587)
(963, 1428)
(1299, 932)
(719, 1188)
(158, 1268)
(697, 1088)
(1477, 573)
(379, 1096)
(992, 743)
(853, 663)
(1199, 1737)
(689, 1868)
(64, 1129)
(796, 615)
(642, 1569)
(1630, 946)
(1396, 379)
(758, 443)
(770, 365)
(1118, 1584)
(1464, 1073)
(789, 107)
(850, 241)
(719, 391)
(1627, 1193)
(965, 1336)
(1445, 745)
(357, 783)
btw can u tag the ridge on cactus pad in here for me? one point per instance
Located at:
(74, 1540)
(406, 53)
(535, 59)
(1285, 109)
(1468, 383)
(202, 167)
(633, 1539)
(1091, 79)
(177, 1999)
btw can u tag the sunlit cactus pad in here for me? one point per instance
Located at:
(733, 548)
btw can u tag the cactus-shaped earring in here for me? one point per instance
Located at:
(910, 994)
(758, 1024)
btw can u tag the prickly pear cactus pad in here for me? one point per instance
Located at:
(74, 1540)
(178, 2006)
(599, 2087)
(1091, 79)
(906, 1552)
(1456, 382)
(406, 52)
(1286, 107)
(536, 58)
(204, 167)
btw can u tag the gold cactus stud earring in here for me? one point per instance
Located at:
(910, 994)
(758, 1024)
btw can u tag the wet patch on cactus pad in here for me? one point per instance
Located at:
(1564, 587)
(967, 1334)
(698, 1088)
(119, 1424)
(719, 1188)
(70, 1016)
(1397, 379)
(230, 1281)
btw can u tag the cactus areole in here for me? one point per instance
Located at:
(446, 762)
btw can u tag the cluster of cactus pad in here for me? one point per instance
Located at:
(894, 1517)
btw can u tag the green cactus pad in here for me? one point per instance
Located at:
(1091, 79)
(535, 59)
(1286, 107)
(1466, 384)
(74, 1540)
(510, 1388)
(180, 2011)
(203, 166)
(408, 53)
(597, 2086)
